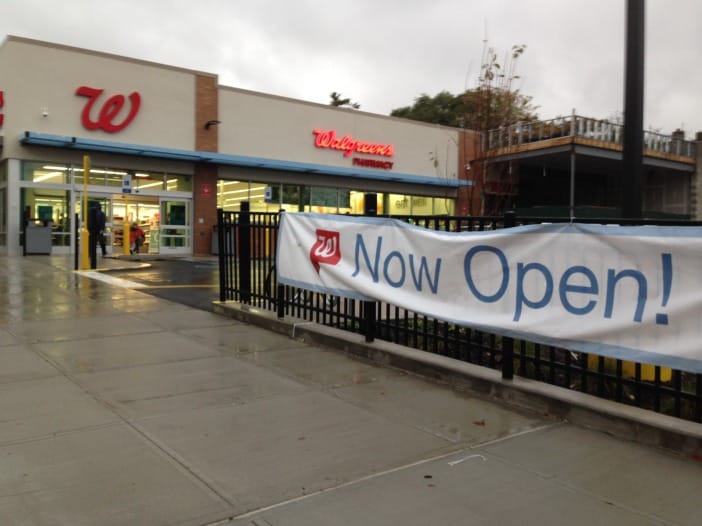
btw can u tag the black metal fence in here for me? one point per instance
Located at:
(247, 247)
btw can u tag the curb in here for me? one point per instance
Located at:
(620, 420)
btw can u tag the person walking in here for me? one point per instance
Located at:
(100, 220)
(96, 226)
(136, 238)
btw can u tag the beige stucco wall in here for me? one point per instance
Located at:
(40, 82)
(273, 127)
(41, 97)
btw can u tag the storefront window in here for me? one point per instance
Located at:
(443, 206)
(295, 197)
(178, 183)
(398, 204)
(44, 173)
(54, 173)
(3, 172)
(50, 208)
(325, 200)
(410, 205)
(102, 176)
(230, 194)
(357, 200)
(272, 197)
(99, 176)
(148, 181)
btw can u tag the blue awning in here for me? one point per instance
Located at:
(223, 159)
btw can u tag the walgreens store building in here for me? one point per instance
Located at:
(168, 146)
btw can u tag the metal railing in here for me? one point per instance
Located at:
(583, 127)
(247, 243)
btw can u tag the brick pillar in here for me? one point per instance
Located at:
(204, 207)
(205, 184)
(468, 199)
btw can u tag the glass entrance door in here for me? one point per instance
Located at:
(105, 202)
(135, 211)
(176, 230)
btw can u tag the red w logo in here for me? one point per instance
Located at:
(109, 111)
(326, 249)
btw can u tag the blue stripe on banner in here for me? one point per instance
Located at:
(546, 228)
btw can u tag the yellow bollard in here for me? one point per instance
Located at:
(84, 249)
(84, 254)
(125, 230)
(125, 239)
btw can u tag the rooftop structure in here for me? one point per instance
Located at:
(573, 164)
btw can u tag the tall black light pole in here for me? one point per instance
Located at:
(633, 111)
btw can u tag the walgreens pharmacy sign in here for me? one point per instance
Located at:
(348, 145)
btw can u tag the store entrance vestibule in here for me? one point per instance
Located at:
(145, 212)
(176, 229)
(53, 193)
(136, 211)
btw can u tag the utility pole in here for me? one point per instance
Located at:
(633, 111)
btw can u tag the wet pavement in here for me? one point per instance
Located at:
(118, 407)
(188, 281)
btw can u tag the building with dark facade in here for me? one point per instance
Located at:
(573, 166)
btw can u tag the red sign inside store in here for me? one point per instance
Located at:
(2, 101)
(109, 111)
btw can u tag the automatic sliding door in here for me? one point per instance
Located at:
(176, 230)
(135, 210)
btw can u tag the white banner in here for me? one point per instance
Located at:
(633, 293)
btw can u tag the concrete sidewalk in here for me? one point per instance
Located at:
(120, 408)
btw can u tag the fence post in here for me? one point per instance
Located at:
(76, 252)
(510, 219)
(221, 254)
(280, 293)
(370, 208)
(244, 228)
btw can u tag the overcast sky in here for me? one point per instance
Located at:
(384, 53)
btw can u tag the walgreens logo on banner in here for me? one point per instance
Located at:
(110, 117)
(326, 249)
(2, 102)
(328, 139)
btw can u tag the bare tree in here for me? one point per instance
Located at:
(337, 101)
